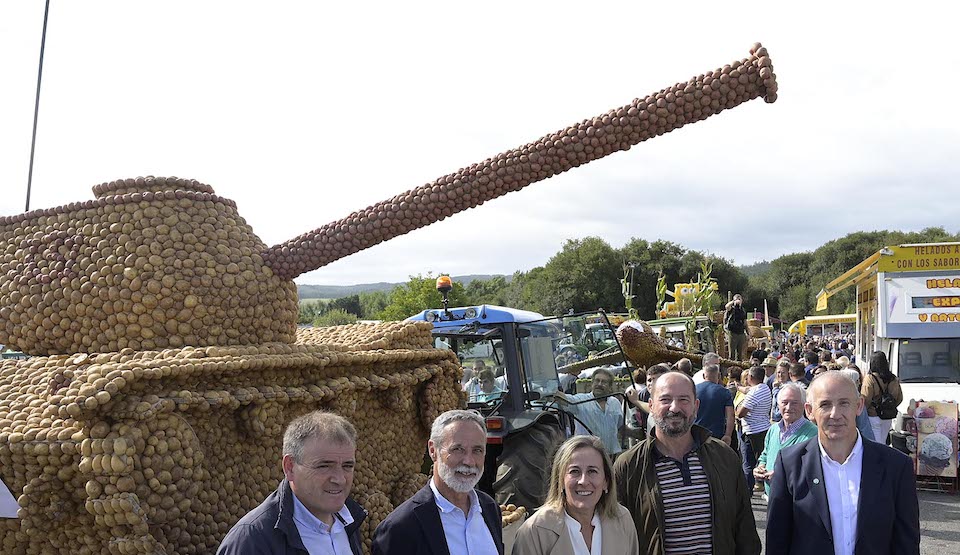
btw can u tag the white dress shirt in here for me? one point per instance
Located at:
(603, 422)
(466, 534)
(842, 482)
(318, 538)
(580, 546)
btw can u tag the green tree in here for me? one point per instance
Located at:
(584, 275)
(489, 291)
(309, 310)
(335, 317)
(795, 303)
(372, 304)
(418, 294)
(519, 291)
(349, 304)
(650, 260)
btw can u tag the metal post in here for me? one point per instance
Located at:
(36, 105)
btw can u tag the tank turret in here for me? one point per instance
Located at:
(150, 263)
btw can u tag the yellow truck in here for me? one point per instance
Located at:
(825, 324)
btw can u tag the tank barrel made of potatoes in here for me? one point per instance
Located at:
(619, 129)
(155, 263)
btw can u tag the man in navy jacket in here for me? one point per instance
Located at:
(838, 493)
(311, 512)
(448, 516)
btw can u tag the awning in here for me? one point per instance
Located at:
(850, 277)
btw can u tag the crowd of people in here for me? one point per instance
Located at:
(803, 427)
(685, 487)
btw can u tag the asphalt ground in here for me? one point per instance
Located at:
(939, 522)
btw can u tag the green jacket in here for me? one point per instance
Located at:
(734, 530)
(772, 445)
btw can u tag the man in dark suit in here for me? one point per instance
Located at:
(448, 516)
(838, 493)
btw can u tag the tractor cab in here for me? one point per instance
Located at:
(510, 359)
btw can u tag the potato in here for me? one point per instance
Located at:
(189, 439)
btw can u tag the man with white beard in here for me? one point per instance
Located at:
(448, 516)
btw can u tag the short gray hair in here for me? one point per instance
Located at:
(711, 356)
(451, 416)
(326, 426)
(793, 386)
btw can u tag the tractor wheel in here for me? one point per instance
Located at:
(525, 465)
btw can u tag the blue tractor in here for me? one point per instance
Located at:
(513, 356)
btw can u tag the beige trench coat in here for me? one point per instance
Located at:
(545, 533)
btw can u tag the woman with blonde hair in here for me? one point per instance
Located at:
(580, 515)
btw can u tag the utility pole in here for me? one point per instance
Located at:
(36, 105)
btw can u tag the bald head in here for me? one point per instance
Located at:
(675, 379)
(833, 404)
(834, 382)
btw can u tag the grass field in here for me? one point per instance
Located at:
(304, 301)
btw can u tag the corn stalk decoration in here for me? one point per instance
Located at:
(626, 285)
(661, 294)
(704, 293)
(703, 296)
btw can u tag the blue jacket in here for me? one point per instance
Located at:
(270, 529)
(415, 528)
(866, 429)
(798, 515)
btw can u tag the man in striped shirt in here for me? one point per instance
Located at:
(754, 414)
(682, 486)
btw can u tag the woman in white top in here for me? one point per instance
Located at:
(581, 515)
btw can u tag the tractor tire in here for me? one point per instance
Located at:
(524, 468)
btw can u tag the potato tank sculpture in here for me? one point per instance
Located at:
(167, 359)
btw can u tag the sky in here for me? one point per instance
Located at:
(303, 112)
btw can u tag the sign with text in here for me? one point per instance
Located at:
(919, 258)
(922, 299)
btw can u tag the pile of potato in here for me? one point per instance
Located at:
(162, 451)
(388, 335)
(151, 263)
(619, 129)
(510, 514)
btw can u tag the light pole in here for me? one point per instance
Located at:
(36, 105)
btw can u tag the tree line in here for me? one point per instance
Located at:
(586, 275)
